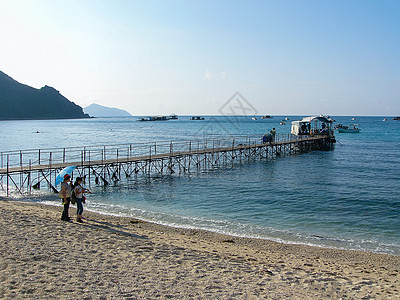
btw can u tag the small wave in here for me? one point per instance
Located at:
(240, 229)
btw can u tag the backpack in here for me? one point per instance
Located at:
(73, 197)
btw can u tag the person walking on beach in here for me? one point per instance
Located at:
(79, 191)
(66, 197)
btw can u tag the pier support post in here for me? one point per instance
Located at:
(8, 175)
(29, 177)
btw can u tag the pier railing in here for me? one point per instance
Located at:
(24, 170)
(88, 154)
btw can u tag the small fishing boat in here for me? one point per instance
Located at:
(396, 118)
(254, 118)
(282, 122)
(352, 128)
(196, 118)
(287, 118)
(153, 118)
(266, 117)
(384, 120)
(144, 119)
(353, 119)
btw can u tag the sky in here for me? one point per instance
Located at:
(189, 57)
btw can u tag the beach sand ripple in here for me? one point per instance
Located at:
(110, 257)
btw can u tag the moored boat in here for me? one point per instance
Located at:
(197, 118)
(154, 118)
(348, 129)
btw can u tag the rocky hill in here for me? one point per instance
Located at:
(21, 102)
(96, 110)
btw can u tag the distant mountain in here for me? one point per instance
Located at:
(96, 110)
(21, 102)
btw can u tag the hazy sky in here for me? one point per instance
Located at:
(189, 57)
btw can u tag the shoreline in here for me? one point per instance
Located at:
(183, 227)
(125, 258)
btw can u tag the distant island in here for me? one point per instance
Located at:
(22, 102)
(96, 110)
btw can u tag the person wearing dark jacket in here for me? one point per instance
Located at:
(66, 197)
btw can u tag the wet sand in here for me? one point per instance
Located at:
(106, 257)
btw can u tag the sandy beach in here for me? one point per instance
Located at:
(110, 257)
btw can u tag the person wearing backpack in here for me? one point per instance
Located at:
(80, 198)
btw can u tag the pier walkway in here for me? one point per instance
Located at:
(24, 170)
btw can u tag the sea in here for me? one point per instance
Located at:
(346, 198)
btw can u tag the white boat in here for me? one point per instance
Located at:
(348, 129)
(254, 118)
(384, 120)
(282, 122)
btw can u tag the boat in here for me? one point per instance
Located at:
(254, 118)
(396, 118)
(384, 120)
(197, 118)
(266, 117)
(353, 119)
(349, 130)
(173, 117)
(352, 128)
(144, 119)
(153, 118)
(287, 118)
(282, 122)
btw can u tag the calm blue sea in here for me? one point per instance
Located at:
(346, 198)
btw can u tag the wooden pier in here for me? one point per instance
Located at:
(23, 171)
